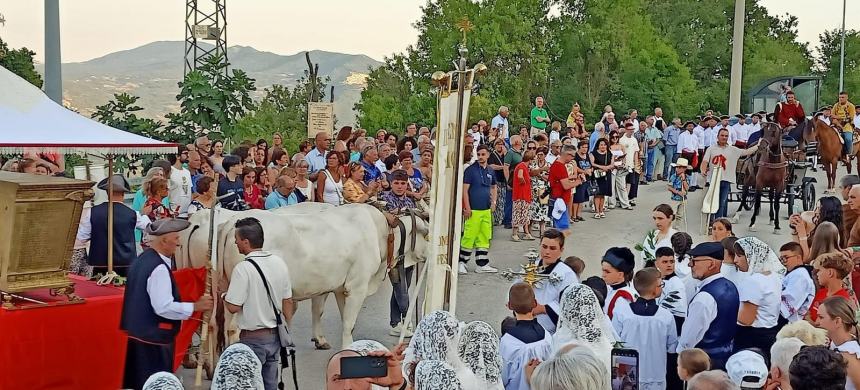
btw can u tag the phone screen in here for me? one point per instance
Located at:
(363, 367)
(625, 369)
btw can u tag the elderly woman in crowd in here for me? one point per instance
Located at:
(141, 194)
(354, 189)
(154, 206)
(238, 369)
(303, 185)
(280, 159)
(329, 185)
(253, 195)
(206, 198)
(426, 164)
(576, 367)
(760, 291)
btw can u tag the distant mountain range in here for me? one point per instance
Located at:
(152, 71)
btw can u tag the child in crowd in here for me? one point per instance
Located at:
(524, 341)
(674, 297)
(832, 268)
(599, 287)
(681, 244)
(747, 369)
(647, 328)
(617, 265)
(691, 362)
(798, 289)
(678, 190)
(576, 264)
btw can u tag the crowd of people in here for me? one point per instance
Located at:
(724, 313)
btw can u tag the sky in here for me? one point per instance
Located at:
(377, 28)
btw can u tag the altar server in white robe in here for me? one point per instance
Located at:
(648, 328)
(583, 323)
(548, 293)
(525, 341)
(617, 266)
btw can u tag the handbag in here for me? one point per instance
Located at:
(288, 348)
(593, 188)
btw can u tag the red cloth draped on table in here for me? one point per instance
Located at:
(191, 283)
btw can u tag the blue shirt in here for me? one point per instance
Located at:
(316, 160)
(670, 136)
(480, 180)
(676, 183)
(371, 172)
(237, 188)
(592, 141)
(276, 200)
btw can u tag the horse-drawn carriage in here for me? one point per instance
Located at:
(779, 170)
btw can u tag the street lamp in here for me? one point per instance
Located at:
(842, 51)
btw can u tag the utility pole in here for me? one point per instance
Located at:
(53, 65)
(737, 59)
(842, 51)
(205, 22)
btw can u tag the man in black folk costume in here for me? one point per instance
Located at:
(152, 311)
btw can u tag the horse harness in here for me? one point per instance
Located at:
(401, 250)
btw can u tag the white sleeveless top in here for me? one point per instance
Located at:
(308, 191)
(851, 347)
(333, 191)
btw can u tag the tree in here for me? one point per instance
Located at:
(827, 63)
(121, 113)
(282, 110)
(20, 62)
(212, 100)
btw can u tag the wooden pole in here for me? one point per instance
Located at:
(210, 272)
(110, 276)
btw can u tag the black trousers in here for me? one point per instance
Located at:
(761, 338)
(144, 359)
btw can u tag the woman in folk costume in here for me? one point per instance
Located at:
(436, 375)
(163, 381)
(760, 292)
(583, 323)
(238, 369)
(436, 338)
(479, 350)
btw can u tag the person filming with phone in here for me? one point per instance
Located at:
(259, 294)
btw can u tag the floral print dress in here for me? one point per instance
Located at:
(540, 206)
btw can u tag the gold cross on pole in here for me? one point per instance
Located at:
(465, 26)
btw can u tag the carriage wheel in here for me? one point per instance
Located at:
(808, 196)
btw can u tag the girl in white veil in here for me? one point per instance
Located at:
(436, 338)
(479, 350)
(583, 323)
(760, 294)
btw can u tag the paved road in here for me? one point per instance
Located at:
(483, 296)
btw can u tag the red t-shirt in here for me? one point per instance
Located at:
(558, 172)
(522, 191)
(821, 295)
(788, 111)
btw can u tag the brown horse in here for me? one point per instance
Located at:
(829, 150)
(766, 169)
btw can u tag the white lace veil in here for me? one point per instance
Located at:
(163, 381)
(761, 258)
(436, 375)
(479, 350)
(582, 322)
(238, 368)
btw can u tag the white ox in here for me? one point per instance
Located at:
(341, 250)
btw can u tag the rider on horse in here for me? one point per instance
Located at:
(843, 113)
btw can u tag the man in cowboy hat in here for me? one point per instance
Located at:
(151, 309)
(125, 220)
(688, 147)
(678, 186)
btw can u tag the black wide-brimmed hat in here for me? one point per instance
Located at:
(117, 184)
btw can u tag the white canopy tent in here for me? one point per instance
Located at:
(32, 122)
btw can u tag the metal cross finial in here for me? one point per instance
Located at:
(530, 272)
(465, 26)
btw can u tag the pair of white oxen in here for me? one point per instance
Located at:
(341, 250)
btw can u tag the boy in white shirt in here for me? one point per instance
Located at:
(524, 341)
(647, 328)
(674, 296)
(798, 289)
